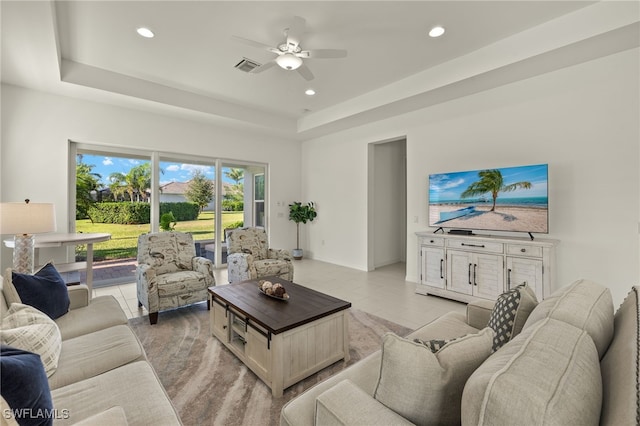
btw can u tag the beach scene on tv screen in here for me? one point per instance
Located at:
(503, 199)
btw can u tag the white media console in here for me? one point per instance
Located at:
(467, 267)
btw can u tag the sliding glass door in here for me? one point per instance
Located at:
(199, 195)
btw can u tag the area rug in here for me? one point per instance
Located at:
(210, 386)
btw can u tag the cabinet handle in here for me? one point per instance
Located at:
(441, 263)
(523, 250)
(224, 327)
(474, 274)
(431, 241)
(469, 274)
(472, 245)
(508, 278)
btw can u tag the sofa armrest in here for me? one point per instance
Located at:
(79, 296)
(479, 312)
(204, 266)
(240, 267)
(347, 404)
(279, 254)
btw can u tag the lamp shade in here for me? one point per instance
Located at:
(27, 218)
(289, 61)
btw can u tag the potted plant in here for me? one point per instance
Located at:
(301, 213)
(168, 222)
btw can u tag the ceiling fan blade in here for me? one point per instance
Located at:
(295, 31)
(323, 53)
(252, 43)
(305, 72)
(263, 67)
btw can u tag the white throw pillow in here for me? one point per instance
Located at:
(24, 327)
(426, 387)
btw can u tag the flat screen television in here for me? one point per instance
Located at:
(502, 199)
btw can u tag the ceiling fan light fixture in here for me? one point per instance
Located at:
(436, 31)
(289, 61)
(145, 32)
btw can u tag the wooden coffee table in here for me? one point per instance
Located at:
(282, 342)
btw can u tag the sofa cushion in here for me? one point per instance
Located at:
(26, 328)
(134, 387)
(424, 387)
(583, 304)
(621, 366)
(24, 385)
(95, 353)
(511, 310)
(45, 290)
(103, 312)
(114, 416)
(347, 404)
(549, 374)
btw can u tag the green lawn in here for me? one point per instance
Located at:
(124, 238)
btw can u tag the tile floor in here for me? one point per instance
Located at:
(383, 292)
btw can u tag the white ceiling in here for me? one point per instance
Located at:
(90, 49)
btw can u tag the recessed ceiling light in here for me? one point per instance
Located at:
(145, 32)
(436, 31)
(310, 92)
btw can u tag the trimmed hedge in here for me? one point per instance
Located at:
(127, 213)
(232, 206)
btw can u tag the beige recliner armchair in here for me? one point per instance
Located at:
(169, 274)
(249, 256)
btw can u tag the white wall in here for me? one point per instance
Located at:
(582, 120)
(36, 128)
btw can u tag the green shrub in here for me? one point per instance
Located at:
(168, 222)
(128, 213)
(232, 205)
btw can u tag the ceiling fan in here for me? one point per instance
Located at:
(290, 53)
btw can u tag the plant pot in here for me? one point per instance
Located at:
(297, 254)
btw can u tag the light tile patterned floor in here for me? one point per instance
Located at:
(382, 292)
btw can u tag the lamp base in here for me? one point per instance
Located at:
(23, 253)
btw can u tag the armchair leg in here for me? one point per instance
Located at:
(208, 304)
(153, 317)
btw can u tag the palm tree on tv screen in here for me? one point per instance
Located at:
(493, 182)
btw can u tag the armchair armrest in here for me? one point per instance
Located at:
(78, 296)
(347, 404)
(240, 267)
(279, 254)
(479, 312)
(147, 287)
(204, 266)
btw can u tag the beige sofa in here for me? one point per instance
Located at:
(572, 363)
(103, 376)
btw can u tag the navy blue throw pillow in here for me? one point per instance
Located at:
(45, 291)
(25, 387)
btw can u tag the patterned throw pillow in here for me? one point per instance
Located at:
(510, 313)
(434, 345)
(26, 328)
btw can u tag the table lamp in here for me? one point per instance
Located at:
(24, 220)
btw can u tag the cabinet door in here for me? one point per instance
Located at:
(219, 322)
(459, 272)
(258, 353)
(433, 267)
(488, 276)
(520, 270)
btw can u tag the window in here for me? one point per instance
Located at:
(122, 175)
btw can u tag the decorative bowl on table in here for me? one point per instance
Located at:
(274, 290)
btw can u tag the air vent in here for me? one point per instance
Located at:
(247, 65)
